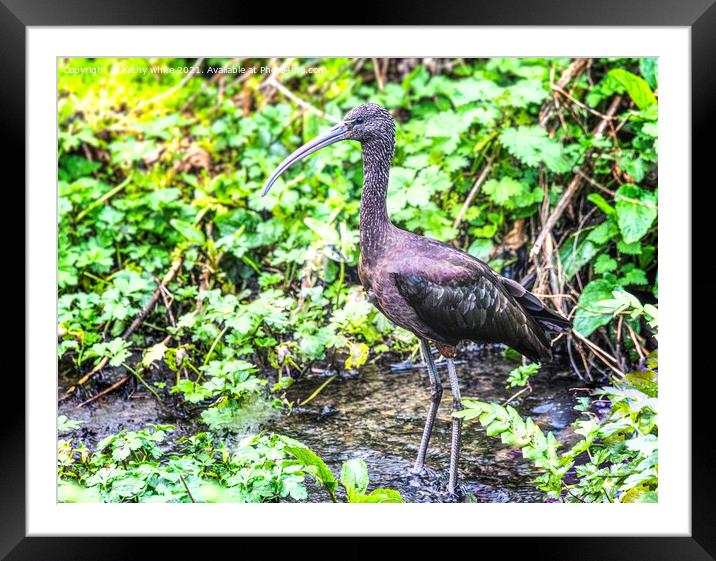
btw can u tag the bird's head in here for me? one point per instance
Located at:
(366, 123)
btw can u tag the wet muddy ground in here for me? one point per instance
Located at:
(378, 414)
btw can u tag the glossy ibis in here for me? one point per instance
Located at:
(437, 292)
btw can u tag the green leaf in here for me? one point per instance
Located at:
(314, 464)
(512, 194)
(66, 425)
(575, 254)
(633, 275)
(378, 496)
(636, 211)
(589, 316)
(532, 146)
(649, 68)
(601, 203)
(503, 190)
(189, 231)
(635, 86)
(154, 353)
(604, 264)
(354, 476)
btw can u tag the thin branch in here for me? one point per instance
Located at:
(171, 90)
(471, 195)
(601, 187)
(106, 390)
(574, 185)
(176, 265)
(273, 82)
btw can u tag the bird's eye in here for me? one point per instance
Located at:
(358, 121)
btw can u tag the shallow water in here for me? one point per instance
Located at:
(378, 413)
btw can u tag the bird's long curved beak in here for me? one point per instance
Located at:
(332, 135)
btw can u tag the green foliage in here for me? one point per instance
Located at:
(533, 147)
(138, 466)
(616, 459)
(149, 173)
(519, 376)
(354, 476)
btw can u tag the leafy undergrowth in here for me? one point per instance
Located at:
(136, 466)
(616, 459)
(173, 268)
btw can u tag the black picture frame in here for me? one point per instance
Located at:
(17, 15)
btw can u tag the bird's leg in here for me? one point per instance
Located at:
(436, 393)
(456, 425)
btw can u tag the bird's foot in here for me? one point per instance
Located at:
(455, 495)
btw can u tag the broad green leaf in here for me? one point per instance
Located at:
(636, 211)
(354, 476)
(532, 146)
(589, 316)
(189, 231)
(649, 68)
(635, 86)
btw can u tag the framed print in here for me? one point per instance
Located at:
(360, 281)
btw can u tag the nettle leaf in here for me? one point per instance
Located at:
(632, 275)
(462, 92)
(354, 476)
(589, 316)
(636, 211)
(532, 146)
(633, 248)
(637, 88)
(448, 125)
(575, 253)
(511, 193)
(481, 248)
(502, 190)
(526, 92)
(604, 264)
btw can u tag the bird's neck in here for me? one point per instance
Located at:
(374, 221)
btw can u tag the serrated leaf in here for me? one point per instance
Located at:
(636, 211)
(604, 264)
(589, 316)
(532, 146)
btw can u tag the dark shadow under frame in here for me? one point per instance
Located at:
(16, 15)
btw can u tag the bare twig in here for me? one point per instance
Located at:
(273, 82)
(572, 71)
(471, 195)
(186, 486)
(601, 187)
(574, 185)
(527, 388)
(170, 91)
(106, 390)
(108, 195)
(600, 353)
(176, 265)
(376, 71)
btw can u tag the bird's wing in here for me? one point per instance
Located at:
(473, 305)
(534, 306)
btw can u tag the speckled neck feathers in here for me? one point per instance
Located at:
(374, 221)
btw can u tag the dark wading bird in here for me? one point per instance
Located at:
(437, 292)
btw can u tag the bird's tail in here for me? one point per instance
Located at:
(550, 321)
